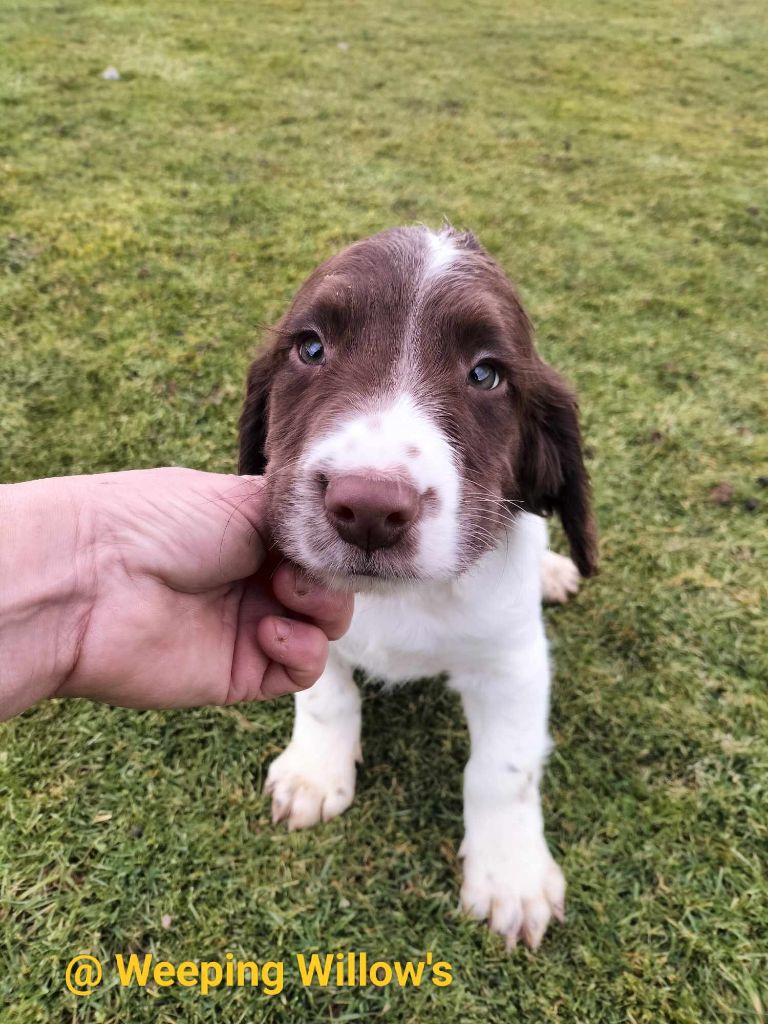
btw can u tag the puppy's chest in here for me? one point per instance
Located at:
(396, 640)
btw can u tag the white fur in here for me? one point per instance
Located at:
(485, 629)
(442, 252)
(393, 436)
(559, 577)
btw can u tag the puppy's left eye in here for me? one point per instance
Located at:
(484, 376)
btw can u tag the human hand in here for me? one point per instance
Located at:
(177, 604)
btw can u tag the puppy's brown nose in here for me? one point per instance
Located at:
(371, 512)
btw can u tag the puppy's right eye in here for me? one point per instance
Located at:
(311, 351)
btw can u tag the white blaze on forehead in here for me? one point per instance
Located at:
(399, 437)
(442, 251)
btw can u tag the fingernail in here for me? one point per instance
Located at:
(302, 585)
(283, 629)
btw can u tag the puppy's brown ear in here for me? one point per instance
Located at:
(551, 471)
(253, 419)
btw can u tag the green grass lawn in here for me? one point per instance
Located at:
(613, 156)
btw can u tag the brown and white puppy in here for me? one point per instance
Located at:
(412, 438)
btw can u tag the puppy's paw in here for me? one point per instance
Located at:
(559, 578)
(517, 890)
(309, 786)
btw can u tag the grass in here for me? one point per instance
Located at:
(612, 155)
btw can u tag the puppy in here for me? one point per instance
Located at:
(412, 440)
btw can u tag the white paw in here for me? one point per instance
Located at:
(517, 890)
(559, 578)
(309, 786)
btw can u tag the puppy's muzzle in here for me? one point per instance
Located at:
(371, 512)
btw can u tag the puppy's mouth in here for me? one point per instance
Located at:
(355, 570)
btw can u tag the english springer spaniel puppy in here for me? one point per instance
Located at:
(412, 440)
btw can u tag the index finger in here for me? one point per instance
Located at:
(331, 610)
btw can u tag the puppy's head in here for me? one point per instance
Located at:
(403, 416)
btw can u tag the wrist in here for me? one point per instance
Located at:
(47, 586)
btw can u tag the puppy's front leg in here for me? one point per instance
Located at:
(314, 778)
(510, 878)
